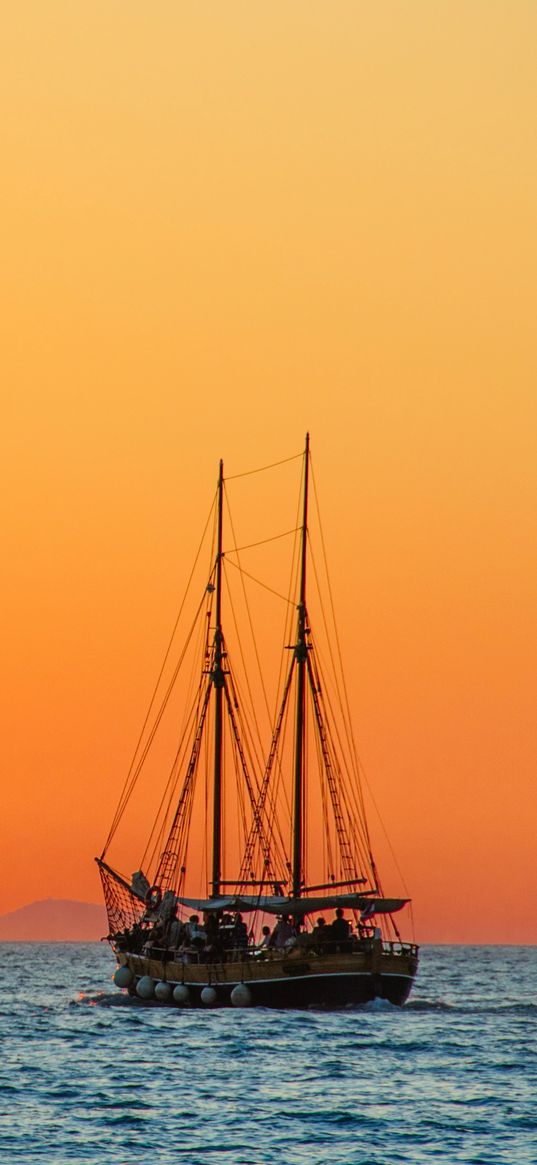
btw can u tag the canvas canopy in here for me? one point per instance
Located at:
(245, 903)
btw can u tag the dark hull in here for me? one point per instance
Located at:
(316, 991)
(334, 982)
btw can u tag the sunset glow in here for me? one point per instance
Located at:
(224, 226)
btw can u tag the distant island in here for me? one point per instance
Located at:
(54, 920)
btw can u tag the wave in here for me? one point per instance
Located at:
(484, 1007)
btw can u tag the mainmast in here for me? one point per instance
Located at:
(217, 679)
(301, 655)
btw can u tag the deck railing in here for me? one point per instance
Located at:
(240, 954)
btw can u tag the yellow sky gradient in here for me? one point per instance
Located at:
(223, 225)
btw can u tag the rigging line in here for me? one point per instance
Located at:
(262, 468)
(259, 583)
(292, 591)
(252, 744)
(352, 788)
(280, 792)
(356, 818)
(288, 638)
(184, 832)
(385, 832)
(330, 595)
(252, 632)
(201, 649)
(191, 710)
(337, 681)
(348, 860)
(239, 761)
(200, 657)
(271, 720)
(191, 718)
(156, 687)
(262, 541)
(155, 842)
(127, 791)
(352, 763)
(266, 783)
(325, 684)
(154, 729)
(249, 742)
(266, 791)
(328, 861)
(337, 678)
(276, 845)
(241, 653)
(278, 747)
(338, 643)
(289, 623)
(241, 803)
(157, 835)
(358, 775)
(168, 858)
(252, 793)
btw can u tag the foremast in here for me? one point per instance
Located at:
(217, 679)
(301, 656)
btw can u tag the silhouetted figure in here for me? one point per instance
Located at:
(340, 932)
(240, 933)
(321, 935)
(282, 933)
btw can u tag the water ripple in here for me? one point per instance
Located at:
(90, 1076)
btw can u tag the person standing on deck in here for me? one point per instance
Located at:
(340, 931)
(283, 931)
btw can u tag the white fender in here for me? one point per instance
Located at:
(181, 994)
(123, 977)
(241, 996)
(145, 987)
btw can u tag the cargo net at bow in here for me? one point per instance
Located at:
(123, 908)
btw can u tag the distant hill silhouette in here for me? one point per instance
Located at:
(54, 920)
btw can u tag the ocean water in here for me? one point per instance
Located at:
(89, 1075)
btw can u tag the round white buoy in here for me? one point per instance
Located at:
(181, 994)
(145, 987)
(123, 977)
(241, 996)
(163, 992)
(208, 996)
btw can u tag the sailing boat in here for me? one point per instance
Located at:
(299, 867)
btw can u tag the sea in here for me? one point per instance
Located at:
(89, 1075)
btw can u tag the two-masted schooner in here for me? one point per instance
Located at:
(300, 919)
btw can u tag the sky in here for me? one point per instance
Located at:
(222, 226)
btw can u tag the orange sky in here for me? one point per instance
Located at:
(222, 225)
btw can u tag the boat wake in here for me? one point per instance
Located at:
(481, 1007)
(103, 999)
